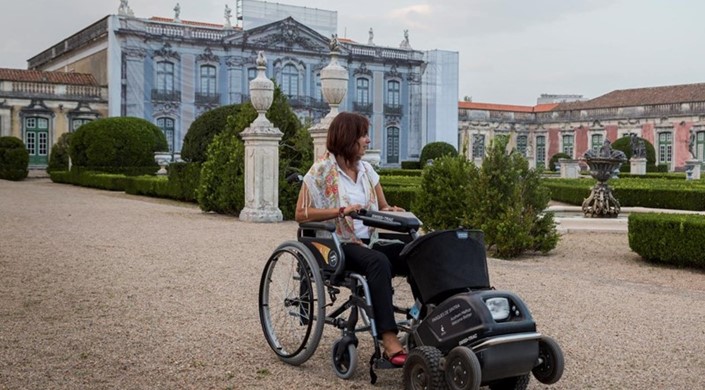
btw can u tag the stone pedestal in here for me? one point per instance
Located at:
(637, 166)
(319, 133)
(570, 169)
(261, 175)
(692, 169)
(532, 162)
(261, 154)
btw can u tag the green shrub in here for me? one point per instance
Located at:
(504, 198)
(99, 180)
(677, 239)
(14, 159)
(554, 160)
(435, 150)
(624, 144)
(411, 165)
(183, 180)
(444, 200)
(116, 143)
(222, 181)
(59, 156)
(203, 129)
(399, 172)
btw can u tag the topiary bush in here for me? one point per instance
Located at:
(222, 182)
(203, 129)
(14, 159)
(59, 156)
(113, 144)
(554, 160)
(624, 144)
(435, 150)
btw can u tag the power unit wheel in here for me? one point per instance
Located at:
(422, 369)
(513, 383)
(550, 368)
(292, 303)
(345, 361)
(462, 369)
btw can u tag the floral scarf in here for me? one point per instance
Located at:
(322, 184)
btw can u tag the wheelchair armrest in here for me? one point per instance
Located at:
(328, 226)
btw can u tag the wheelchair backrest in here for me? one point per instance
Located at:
(445, 262)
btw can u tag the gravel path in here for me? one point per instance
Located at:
(103, 290)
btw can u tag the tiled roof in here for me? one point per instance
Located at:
(189, 22)
(641, 96)
(506, 107)
(346, 40)
(37, 76)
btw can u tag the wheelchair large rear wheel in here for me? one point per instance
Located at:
(292, 303)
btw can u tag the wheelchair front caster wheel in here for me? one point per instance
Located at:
(344, 359)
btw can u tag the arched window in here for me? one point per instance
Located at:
(478, 146)
(393, 93)
(541, 150)
(665, 147)
(167, 126)
(568, 144)
(290, 80)
(363, 90)
(596, 142)
(165, 77)
(392, 145)
(36, 139)
(208, 79)
(521, 144)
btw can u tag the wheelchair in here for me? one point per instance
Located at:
(461, 333)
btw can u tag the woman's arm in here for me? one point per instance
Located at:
(382, 201)
(305, 212)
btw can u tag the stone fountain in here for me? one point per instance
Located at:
(602, 163)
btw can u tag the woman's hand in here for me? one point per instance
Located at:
(391, 208)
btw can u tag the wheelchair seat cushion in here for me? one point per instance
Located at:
(445, 262)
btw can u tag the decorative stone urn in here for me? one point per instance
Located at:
(601, 203)
(334, 87)
(261, 154)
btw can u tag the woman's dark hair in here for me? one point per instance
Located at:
(344, 132)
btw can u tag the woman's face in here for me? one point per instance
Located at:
(362, 144)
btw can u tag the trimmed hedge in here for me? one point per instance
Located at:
(183, 180)
(14, 159)
(108, 143)
(435, 150)
(103, 181)
(399, 172)
(59, 156)
(654, 193)
(411, 164)
(201, 132)
(677, 239)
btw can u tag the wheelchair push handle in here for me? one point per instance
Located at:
(396, 223)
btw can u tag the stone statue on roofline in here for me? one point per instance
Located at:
(177, 12)
(124, 9)
(228, 14)
(334, 44)
(405, 43)
(370, 41)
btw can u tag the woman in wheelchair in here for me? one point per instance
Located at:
(338, 184)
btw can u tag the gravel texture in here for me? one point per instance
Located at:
(103, 290)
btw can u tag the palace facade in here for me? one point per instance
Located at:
(170, 71)
(38, 107)
(665, 116)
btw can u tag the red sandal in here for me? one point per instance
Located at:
(398, 359)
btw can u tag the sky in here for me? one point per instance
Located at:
(511, 51)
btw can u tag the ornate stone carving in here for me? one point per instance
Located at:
(166, 109)
(405, 43)
(362, 70)
(393, 73)
(124, 9)
(228, 13)
(177, 12)
(603, 163)
(370, 40)
(289, 34)
(207, 56)
(167, 52)
(135, 53)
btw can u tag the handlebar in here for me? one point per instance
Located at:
(396, 223)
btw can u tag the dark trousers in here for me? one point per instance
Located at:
(378, 265)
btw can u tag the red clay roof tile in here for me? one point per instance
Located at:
(37, 76)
